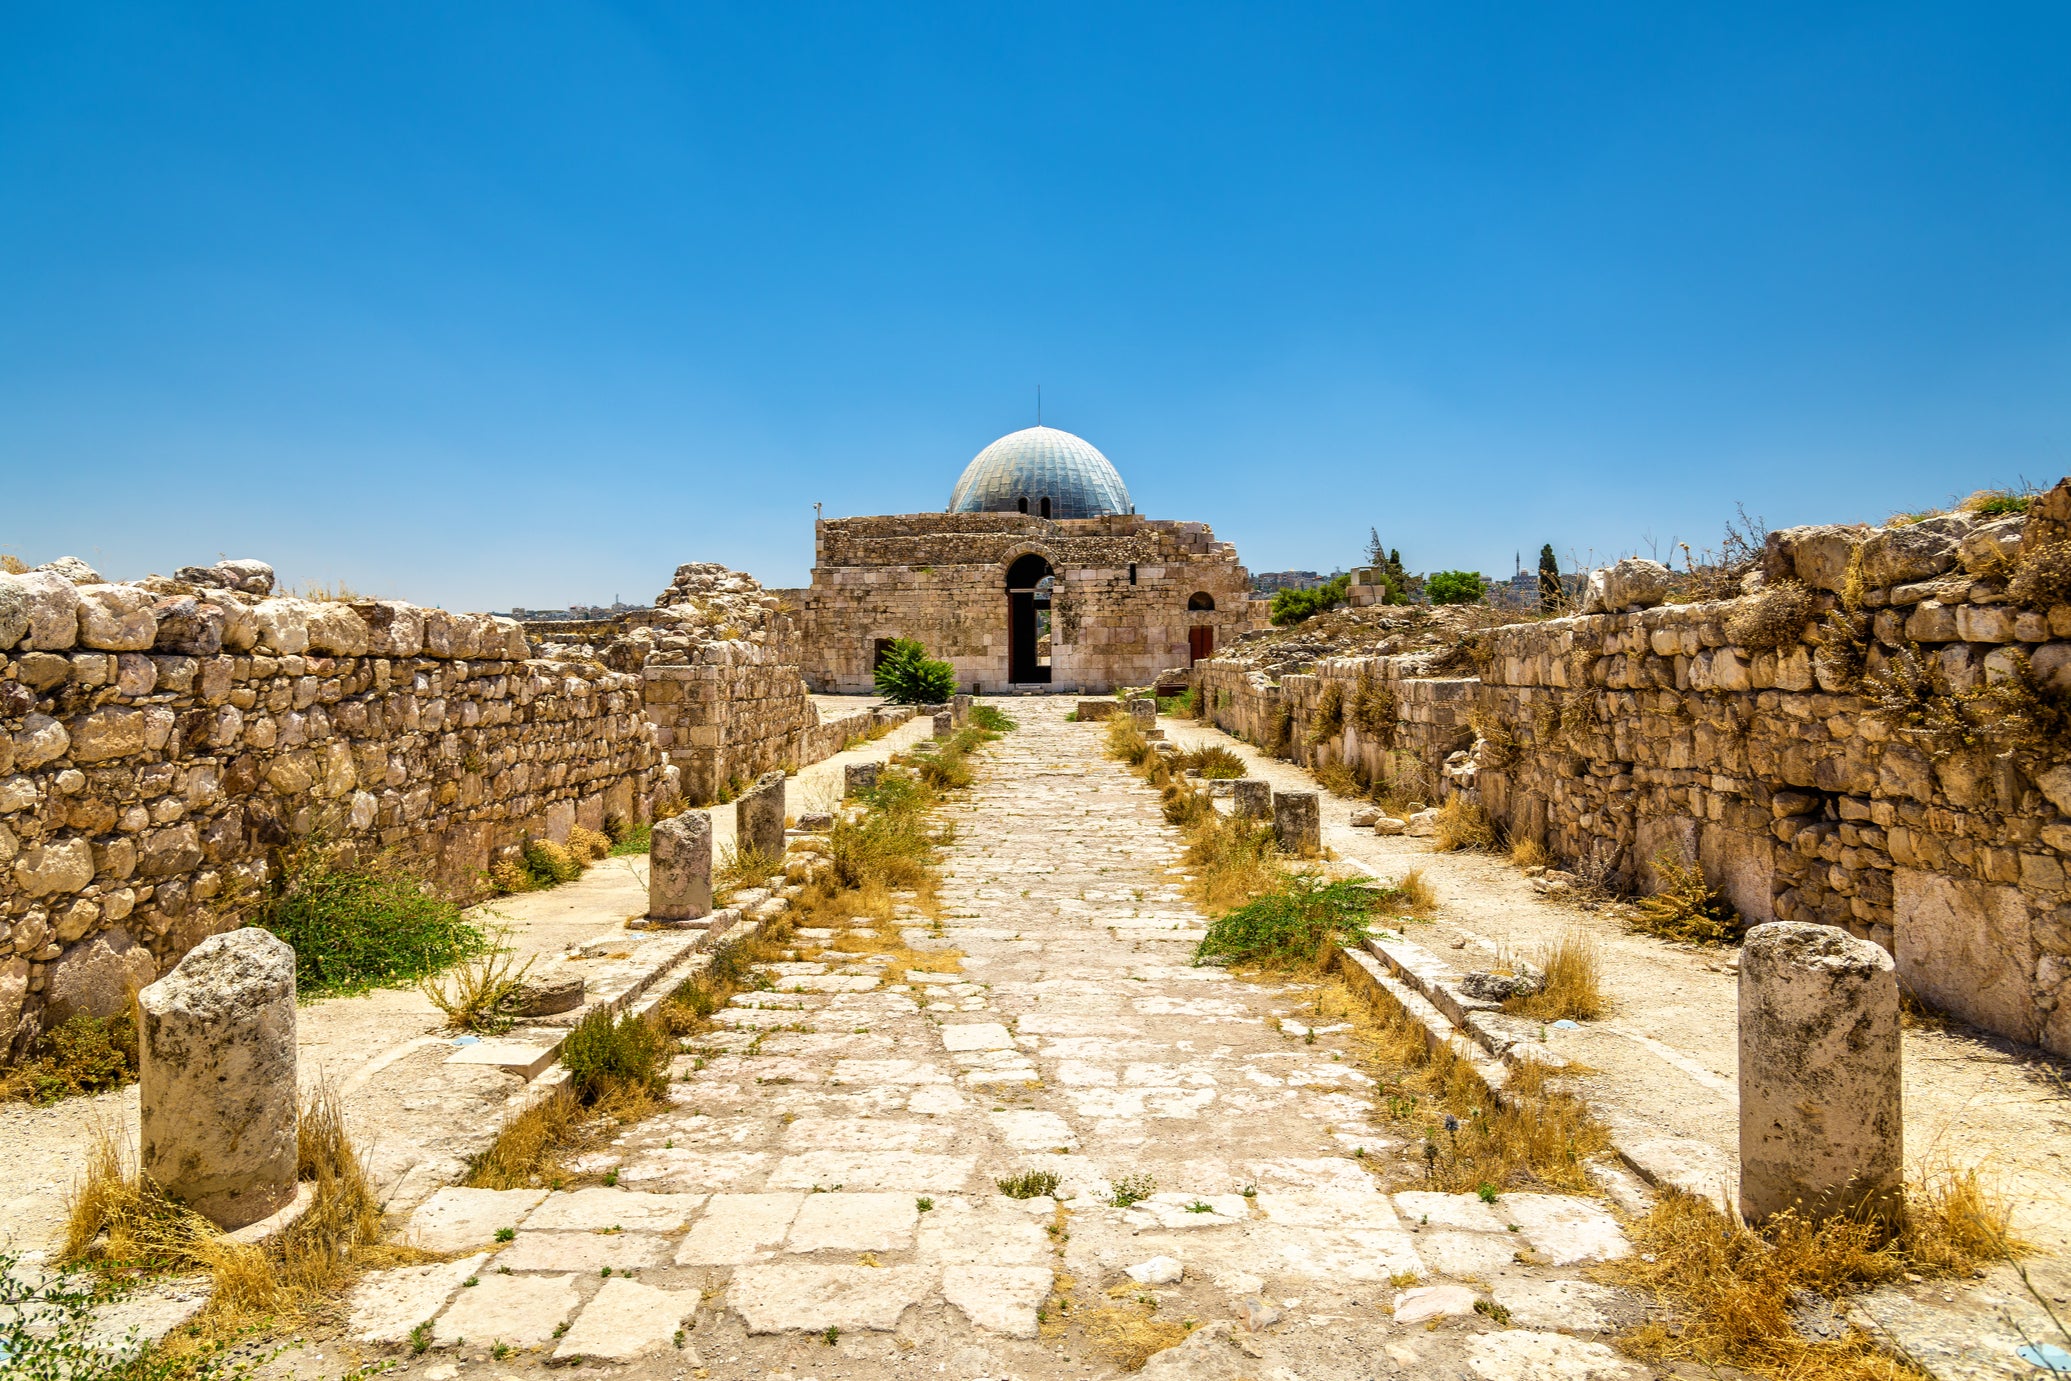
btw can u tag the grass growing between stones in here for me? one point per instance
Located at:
(1464, 824)
(1129, 1331)
(84, 1055)
(1731, 1293)
(361, 925)
(1297, 925)
(482, 993)
(1535, 1136)
(1686, 908)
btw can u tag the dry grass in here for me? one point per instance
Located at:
(1214, 762)
(1773, 619)
(84, 1055)
(1535, 1136)
(1339, 779)
(1686, 908)
(2043, 577)
(1328, 720)
(1464, 824)
(1729, 1290)
(1129, 1333)
(1414, 895)
(1527, 852)
(480, 994)
(531, 1148)
(588, 845)
(1573, 966)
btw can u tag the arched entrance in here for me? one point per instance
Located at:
(1200, 637)
(1028, 620)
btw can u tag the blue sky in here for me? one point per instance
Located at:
(527, 304)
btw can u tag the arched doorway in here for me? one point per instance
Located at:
(1028, 620)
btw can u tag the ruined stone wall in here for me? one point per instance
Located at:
(1617, 738)
(1119, 611)
(160, 740)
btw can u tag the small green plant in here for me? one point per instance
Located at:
(924, 1204)
(481, 994)
(908, 676)
(420, 1337)
(831, 1336)
(1294, 924)
(603, 1051)
(634, 839)
(1487, 1192)
(506, 1234)
(470, 1282)
(1132, 1189)
(1029, 1184)
(1214, 762)
(611, 1181)
(992, 719)
(355, 926)
(1200, 1206)
(1493, 1311)
(499, 1349)
(1455, 587)
(744, 865)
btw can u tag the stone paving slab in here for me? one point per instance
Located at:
(454, 1220)
(521, 1311)
(626, 1319)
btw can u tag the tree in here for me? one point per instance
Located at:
(1455, 587)
(1293, 606)
(1387, 568)
(907, 676)
(1549, 580)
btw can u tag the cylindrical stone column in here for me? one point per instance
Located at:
(1821, 1104)
(1297, 826)
(859, 777)
(945, 724)
(960, 706)
(1144, 710)
(679, 867)
(759, 816)
(216, 1079)
(1251, 798)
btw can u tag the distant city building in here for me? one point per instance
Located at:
(574, 613)
(1271, 582)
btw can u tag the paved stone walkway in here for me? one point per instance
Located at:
(823, 1200)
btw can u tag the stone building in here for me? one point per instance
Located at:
(1040, 574)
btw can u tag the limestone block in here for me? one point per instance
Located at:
(14, 611)
(456, 1220)
(117, 618)
(72, 569)
(945, 724)
(1820, 1094)
(14, 991)
(335, 630)
(39, 740)
(394, 629)
(1252, 799)
(1144, 710)
(1516, 1354)
(960, 707)
(1896, 555)
(1297, 825)
(626, 1319)
(1966, 948)
(1634, 583)
(1092, 710)
(192, 627)
(217, 1079)
(96, 977)
(283, 626)
(247, 575)
(53, 607)
(63, 866)
(759, 816)
(386, 1306)
(522, 1311)
(859, 777)
(679, 867)
(110, 732)
(1815, 555)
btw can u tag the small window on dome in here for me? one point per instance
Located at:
(1023, 503)
(1046, 507)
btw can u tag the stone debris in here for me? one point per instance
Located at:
(1429, 1302)
(1159, 1270)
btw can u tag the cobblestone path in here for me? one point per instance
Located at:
(824, 1199)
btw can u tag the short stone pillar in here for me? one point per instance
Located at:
(859, 777)
(1251, 798)
(960, 706)
(1144, 710)
(945, 724)
(759, 816)
(216, 1078)
(679, 868)
(1820, 1087)
(1297, 825)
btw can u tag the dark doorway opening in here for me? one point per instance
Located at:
(1028, 620)
(1200, 644)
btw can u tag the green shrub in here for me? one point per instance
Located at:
(1029, 1184)
(1214, 762)
(1293, 606)
(1455, 587)
(992, 720)
(85, 1055)
(549, 863)
(1293, 924)
(362, 925)
(602, 1052)
(634, 839)
(907, 676)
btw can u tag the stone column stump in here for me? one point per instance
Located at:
(216, 1081)
(1297, 826)
(679, 868)
(945, 724)
(1144, 710)
(1251, 798)
(1820, 1090)
(859, 777)
(960, 706)
(759, 816)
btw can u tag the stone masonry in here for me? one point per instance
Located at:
(1618, 737)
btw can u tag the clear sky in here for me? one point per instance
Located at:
(525, 304)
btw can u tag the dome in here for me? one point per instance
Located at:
(1041, 463)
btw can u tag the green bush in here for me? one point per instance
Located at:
(1295, 923)
(993, 721)
(1293, 606)
(907, 676)
(362, 925)
(602, 1052)
(1455, 587)
(85, 1055)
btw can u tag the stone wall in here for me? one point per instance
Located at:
(159, 741)
(1119, 615)
(1620, 737)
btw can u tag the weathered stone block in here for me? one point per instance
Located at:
(858, 777)
(759, 816)
(96, 978)
(1252, 799)
(1090, 711)
(1297, 825)
(1821, 1128)
(679, 867)
(217, 1079)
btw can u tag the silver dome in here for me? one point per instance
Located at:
(1040, 463)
